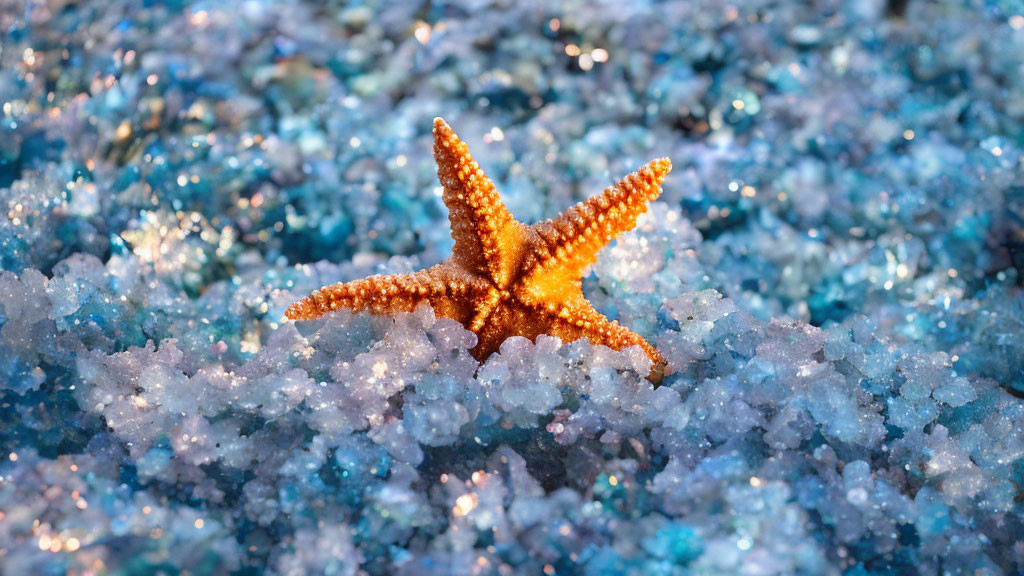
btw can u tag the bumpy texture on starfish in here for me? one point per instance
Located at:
(505, 278)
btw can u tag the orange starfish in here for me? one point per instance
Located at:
(505, 278)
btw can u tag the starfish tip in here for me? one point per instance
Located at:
(295, 312)
(661, 166)
(440, 124)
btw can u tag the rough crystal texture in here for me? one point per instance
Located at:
(833, 271)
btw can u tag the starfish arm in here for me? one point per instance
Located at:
(448, 292)
(501, 322)
(569, 243)
(578, 319)
(486, 235)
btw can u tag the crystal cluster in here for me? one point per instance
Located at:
(833, 271)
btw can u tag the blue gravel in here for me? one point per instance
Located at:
(834, 271)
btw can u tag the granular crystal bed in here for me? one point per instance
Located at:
(833, 273)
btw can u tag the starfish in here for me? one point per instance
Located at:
(506, 278)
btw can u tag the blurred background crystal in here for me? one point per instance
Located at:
(834, 270)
